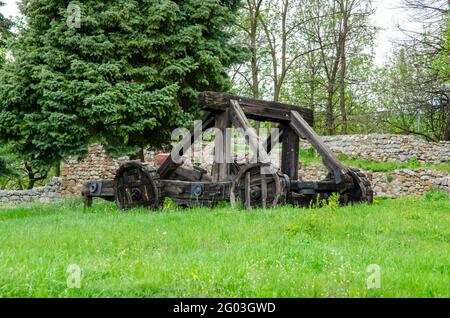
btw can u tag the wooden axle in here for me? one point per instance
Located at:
(251, 186)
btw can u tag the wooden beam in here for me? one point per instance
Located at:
(247, 189)
(301, 127)
(263, 190)
(254, 108)
(289, 154)
(221, 169)
(169, 166)
(240, 121)
(185, 174)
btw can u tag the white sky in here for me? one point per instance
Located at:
(388, 16)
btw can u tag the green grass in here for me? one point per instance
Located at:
(308, 156)
(287, 252)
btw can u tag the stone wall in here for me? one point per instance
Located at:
(376, 147)
(49, 193)
(97, 165)
(393, 184)
(383, 147)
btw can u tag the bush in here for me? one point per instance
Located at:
(436, 195)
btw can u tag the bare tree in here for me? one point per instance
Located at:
(282, 39)
(427, 108)
(292, 38)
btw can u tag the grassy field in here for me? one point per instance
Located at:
(288, 252)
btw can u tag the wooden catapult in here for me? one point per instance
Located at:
(252, 185)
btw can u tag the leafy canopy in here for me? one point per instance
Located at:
(127, 77)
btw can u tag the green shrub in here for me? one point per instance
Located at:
(414, 163)
(436, 195)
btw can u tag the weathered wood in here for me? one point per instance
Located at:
(263, 190)
(169, 166)
(135, 186)
(248, 200)
(272, 141)
(185, 174)
(138, 185)
(103, 189)
(247, 186)
(87, 201)
(289, 154)
(240, 121)
(221, 170)
(300, 126)
(254, 108)
(186, 190)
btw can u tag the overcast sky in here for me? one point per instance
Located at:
(387, 16)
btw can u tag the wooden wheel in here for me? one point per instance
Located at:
(362, 191)
(134, 186)
(257, 188)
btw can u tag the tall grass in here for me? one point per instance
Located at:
(286, 252)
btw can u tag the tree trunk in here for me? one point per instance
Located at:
(58, 169)
(276, 93)
(33, 178)
(31, 182)
(311, 97)
(254, 17)
(331, 90)
(345, 15)
(139, 155)
(330, 115)
(254, 59)
(447, 133)
(342, 92)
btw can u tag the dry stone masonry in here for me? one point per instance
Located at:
(49, 193)
(393, 184)
(394, 148)
(375, 147)
(97, 165)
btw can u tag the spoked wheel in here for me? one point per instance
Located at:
(135, 186)
(256, 186)
(362, 192)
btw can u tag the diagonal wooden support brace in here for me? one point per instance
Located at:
(239, 119)
(301, 127)
(273, 140)
(169, 165)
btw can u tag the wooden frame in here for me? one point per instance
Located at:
(251, 184)
(254, 109)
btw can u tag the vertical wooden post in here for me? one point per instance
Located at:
(87, 201)
(289, 155)
(448, 184)
(222, 149)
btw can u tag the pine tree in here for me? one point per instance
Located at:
(126, 77)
